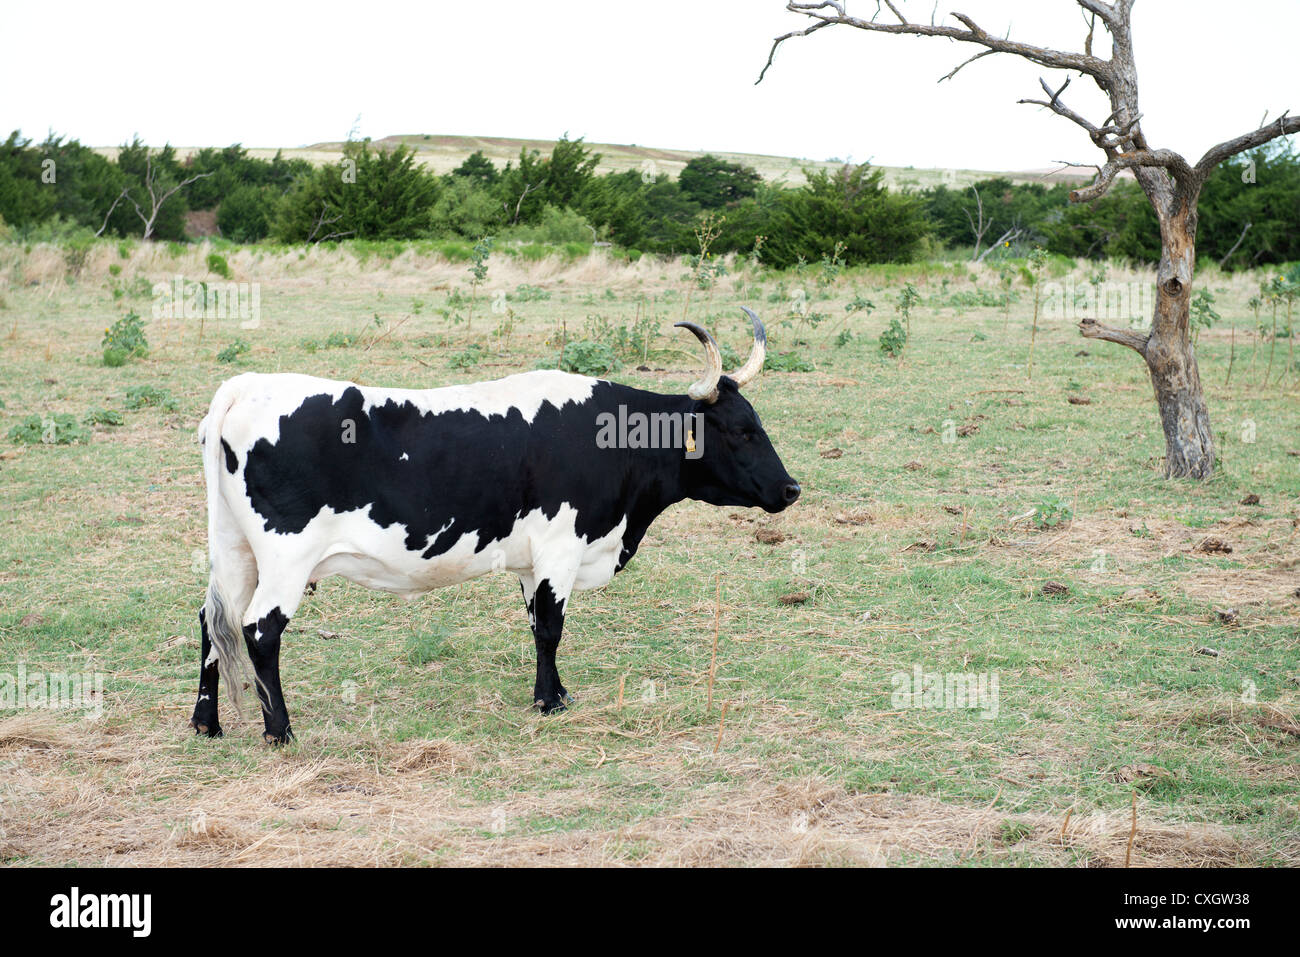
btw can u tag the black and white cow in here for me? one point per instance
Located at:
(407, 490)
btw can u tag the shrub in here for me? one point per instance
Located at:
(369, 194)
(147, 396)
(859, 304)
(846, 215)
(893, 339)
(232, 352)
(526, 293)
(588, 358)
(244, 216)
(468, 358)
(786, 362)
(217, 264)
(1052, 511)
(556, 225)
(61, 429)
(124, 340)
(103, 417)
(340, 340)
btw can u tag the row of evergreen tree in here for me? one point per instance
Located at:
(1250, 207)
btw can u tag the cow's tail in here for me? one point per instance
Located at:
(220, 611)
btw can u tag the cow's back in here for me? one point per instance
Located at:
(439, 462)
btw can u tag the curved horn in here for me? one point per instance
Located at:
(707, 387)
(754, 364)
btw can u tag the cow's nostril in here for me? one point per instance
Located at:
(791, 492)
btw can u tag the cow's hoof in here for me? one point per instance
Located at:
(212, 730)
(549, 707)
(276, 740)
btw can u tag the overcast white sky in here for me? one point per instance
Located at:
(669, 73)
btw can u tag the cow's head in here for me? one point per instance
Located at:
(737, 464)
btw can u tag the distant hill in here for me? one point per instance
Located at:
(444, 153)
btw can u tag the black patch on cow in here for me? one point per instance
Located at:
(232, 462)
(464, 471)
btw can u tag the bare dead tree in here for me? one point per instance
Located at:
(1009, 237)
(1172, 186)
(528, 188)
(120, 196)
(322, 222)
(978, 224)
(156, 199)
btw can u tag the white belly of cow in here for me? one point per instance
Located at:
(352, 546)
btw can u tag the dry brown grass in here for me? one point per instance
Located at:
(401, 806)
(1261, 570)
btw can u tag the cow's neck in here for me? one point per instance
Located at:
(654, 476)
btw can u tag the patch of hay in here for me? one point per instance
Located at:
(39, 731)
(442, 756)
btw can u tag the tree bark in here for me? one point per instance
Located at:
(1168, 352)
(1171, 359)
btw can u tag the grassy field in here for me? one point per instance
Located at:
(1154, 679)
(443, 153)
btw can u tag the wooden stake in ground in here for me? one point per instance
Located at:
(713, 661)
(622, 679)
(1232, 353)
(1066, 823)
(1128, 851)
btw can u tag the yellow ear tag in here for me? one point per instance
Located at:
(690, 440)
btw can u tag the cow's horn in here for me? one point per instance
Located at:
(707, 387)
(754, 364)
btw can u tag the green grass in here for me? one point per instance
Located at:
(918, 545)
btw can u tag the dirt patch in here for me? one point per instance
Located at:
(1262, 568)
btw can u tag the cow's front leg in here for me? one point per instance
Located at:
(546, 615)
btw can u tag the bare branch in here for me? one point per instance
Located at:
(786, 36)
(950, 75)
(1099, 9)
(120, 196)
(1010, 236)
(1166, 159)
(322, 222)
(1090, 328)
(1228, 255)
(1056, 106)
(829, 12)
(1282, 126)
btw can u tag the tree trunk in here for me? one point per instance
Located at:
(1167, 349)
(1189, 443)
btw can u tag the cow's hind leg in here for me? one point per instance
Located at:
(546, 615)
(264, 623)
(205, 720)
